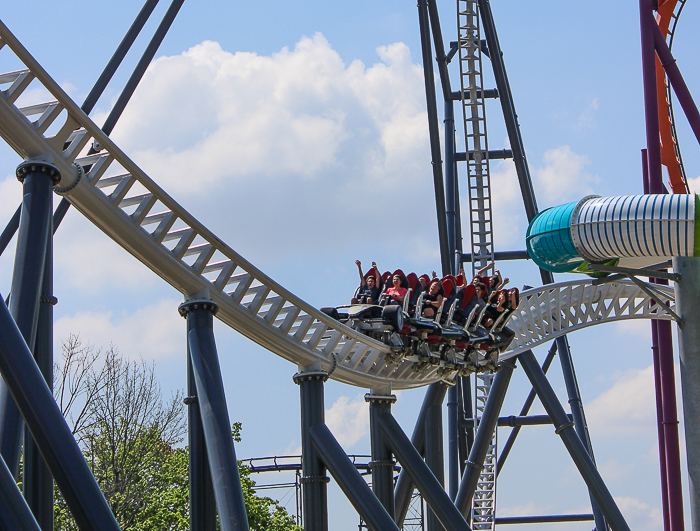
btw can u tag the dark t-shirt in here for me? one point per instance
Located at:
(371, 294)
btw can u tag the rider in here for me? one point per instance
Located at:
(396, 292)
(433, 299)
(369, 290)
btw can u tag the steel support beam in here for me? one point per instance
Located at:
(426, 482)
(453, 429)
(434, 459)
(688, 305)
(214, 413)
(514, 421)
(484, 436)
(461, 156)
(37, 181)
(572, 389)
(524, 411)
(434, 134)
(10, 229)
(382, 464)
(651, 107)
(565, 429)
(50, 431)
(435, 395)
(466, 413)
(350, 481)
(202, 499)
(37, 482)
(14, 511)
(676, 79)
(314, 481)
(507, 104)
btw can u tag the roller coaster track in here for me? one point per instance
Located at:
(667, 19)
(117, 196)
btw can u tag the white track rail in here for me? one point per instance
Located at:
(551, 311)
(128, 206)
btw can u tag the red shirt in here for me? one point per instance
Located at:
(397, 292)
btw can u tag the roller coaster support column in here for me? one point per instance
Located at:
(651, 107)
(434, 396)
(214, 414)
(382, 464)
(509, 115)
(484, 436)
(50, 431)
(434, 134)
(688, 306)
(314, 490)
(37, 482)
(565, 429)
(14, 511)
(676, 79)
(434, 458)
(572, 389)
(202, 499)
(433, 493)
(37, 181)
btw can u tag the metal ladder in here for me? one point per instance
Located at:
(473, 108)
(484, 501)
(480, 216)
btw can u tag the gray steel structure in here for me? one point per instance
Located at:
(275, 318)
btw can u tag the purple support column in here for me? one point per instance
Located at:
(672, 445)
(660, 425)
(651, 108)
(676, 79)
(657, 387)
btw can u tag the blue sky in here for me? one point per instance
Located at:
(297, 133)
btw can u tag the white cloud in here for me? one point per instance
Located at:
(563, 176)
(154, 332)
(299, 141)
(560, 177)
(635, 327)
(10, 196)
(348, 420)
(509, 221)
(628, 407)
(613, 470)
(694, 184)
(640, 515)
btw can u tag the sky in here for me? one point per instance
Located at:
(298, 134)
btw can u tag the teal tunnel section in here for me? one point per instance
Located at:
(549, 241)
(599, 229)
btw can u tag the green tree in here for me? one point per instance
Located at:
(130, 436)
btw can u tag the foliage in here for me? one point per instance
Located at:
(129, 437)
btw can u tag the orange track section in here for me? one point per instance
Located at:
(668, 151)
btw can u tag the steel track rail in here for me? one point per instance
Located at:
(127, 205)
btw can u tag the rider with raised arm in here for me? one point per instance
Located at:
(370, 285)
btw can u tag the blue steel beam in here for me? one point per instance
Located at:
(350, 481)
(484, 436)
(314, 481)
(37, 482)
(422, 477)
(215, 420)
(37, 181)
(202, 500)
(382, 464)
(565, 429)
(14, 511)
(50, 431)
(435, 395)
